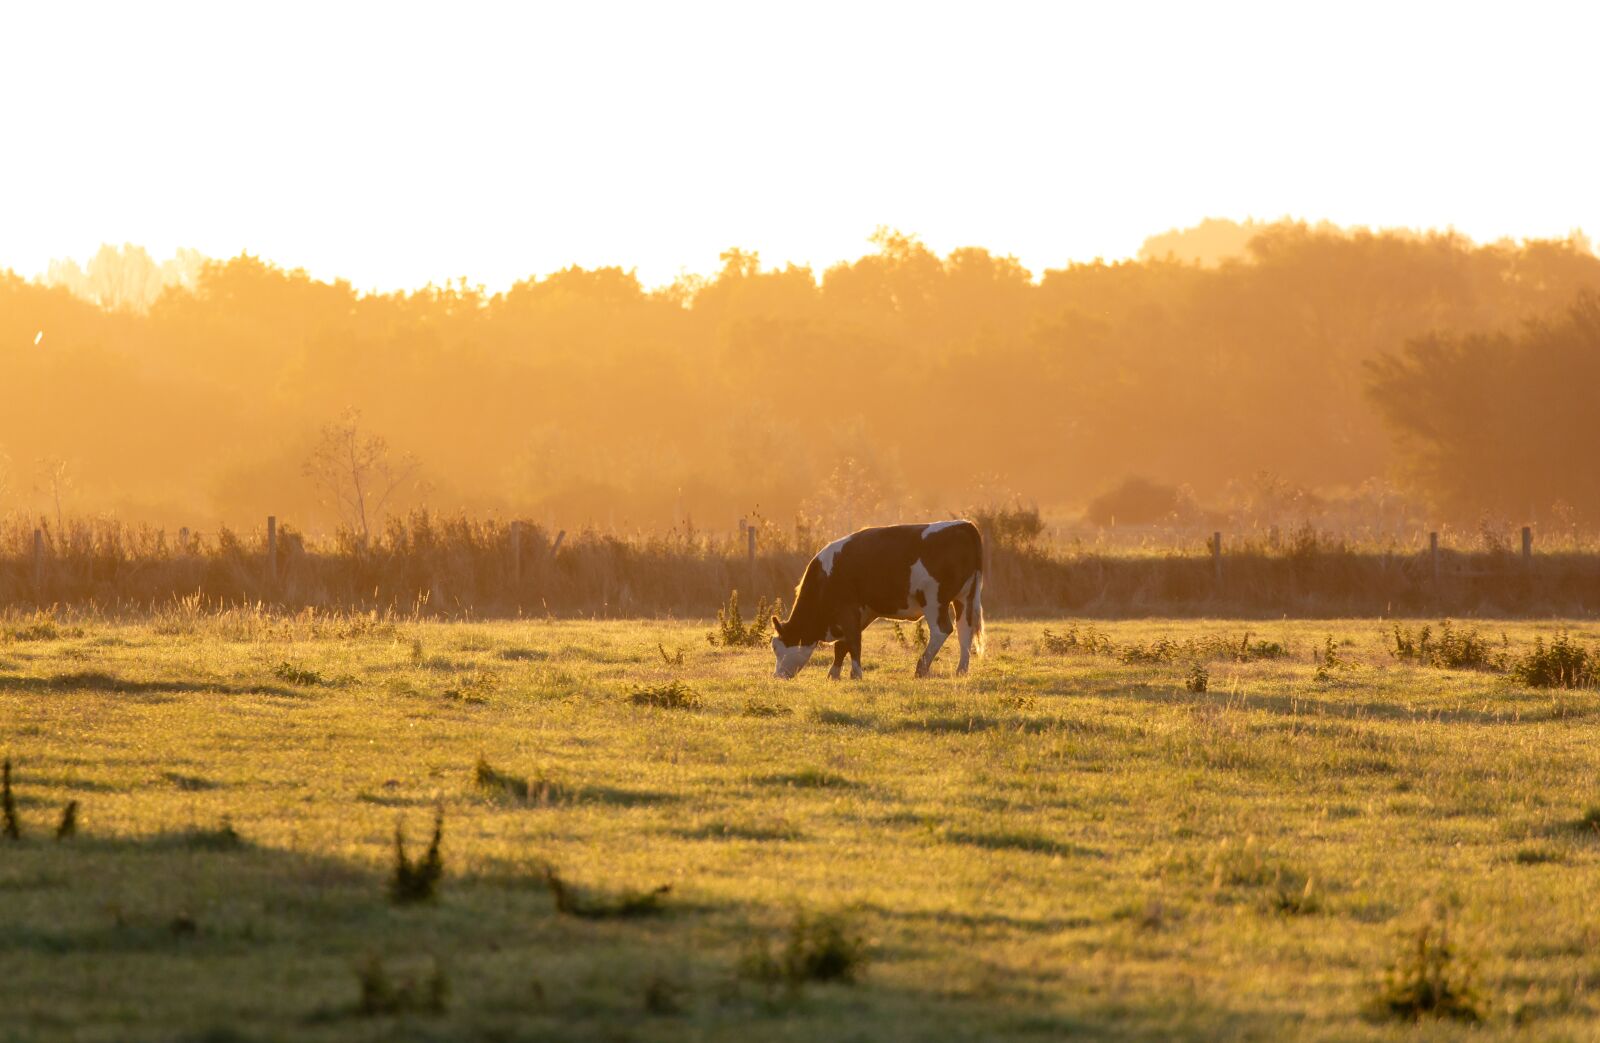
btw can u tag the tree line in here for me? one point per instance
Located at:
(900, 381)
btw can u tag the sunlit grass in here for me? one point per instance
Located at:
(1062, 843)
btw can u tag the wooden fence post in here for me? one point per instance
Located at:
(183, 540)
(516, 553)
(38, 564)
(1216, 557)
(556, 546)
(272, 548)
(1433, 555)
(1527, 546)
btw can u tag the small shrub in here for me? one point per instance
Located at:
(624, 905)
(673, 695)
(8, 805)
(383, 995)
(817, 948)
(1563, 663)
(675, 659)
(733, 632)
(68, 826)
(417, 881)
(1198, 679)
(1429, 980)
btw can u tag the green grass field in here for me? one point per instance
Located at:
(1060, 845)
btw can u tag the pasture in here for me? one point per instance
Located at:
(1071, 842)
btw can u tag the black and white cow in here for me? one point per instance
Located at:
(891, 572)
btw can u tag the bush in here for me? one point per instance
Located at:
(1136, 501)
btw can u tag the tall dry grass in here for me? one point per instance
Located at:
(453, 566)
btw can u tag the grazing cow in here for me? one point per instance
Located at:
(891, 572)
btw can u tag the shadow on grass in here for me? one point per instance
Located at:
(1035, 843)
(100, 681)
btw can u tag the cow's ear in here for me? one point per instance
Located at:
(776, 626)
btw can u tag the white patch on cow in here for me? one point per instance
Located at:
(921, 580)
(938, 526)
(827, 554)
(790, 657)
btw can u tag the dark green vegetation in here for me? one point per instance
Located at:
(1322, 841)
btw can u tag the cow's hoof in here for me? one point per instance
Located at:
(922, 671)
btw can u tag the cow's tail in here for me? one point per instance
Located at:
(975, 602)
(976, 608)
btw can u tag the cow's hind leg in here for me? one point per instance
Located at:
(965, 628)
(855, 658)
(939, 626)
(838, 660)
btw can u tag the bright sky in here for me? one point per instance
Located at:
(397, 144)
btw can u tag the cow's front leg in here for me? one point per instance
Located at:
(939, 627)
(839, 651)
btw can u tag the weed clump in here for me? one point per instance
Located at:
(12, 825)
(536, 790)
(625, 905)
(382, 994)
(417, 881)
(733, 632)
(1429, 980)
(1198, 679)
(758, 708)
(68, 826)
(291, 674)
(1563, 663)
(674, 659)
(826, 948)
(1452, 649)
(673, 695)
(1088, 641)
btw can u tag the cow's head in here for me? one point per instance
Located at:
(790, 657)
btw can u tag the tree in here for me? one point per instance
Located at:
(354, 471)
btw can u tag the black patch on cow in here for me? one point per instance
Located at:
(871, 577)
